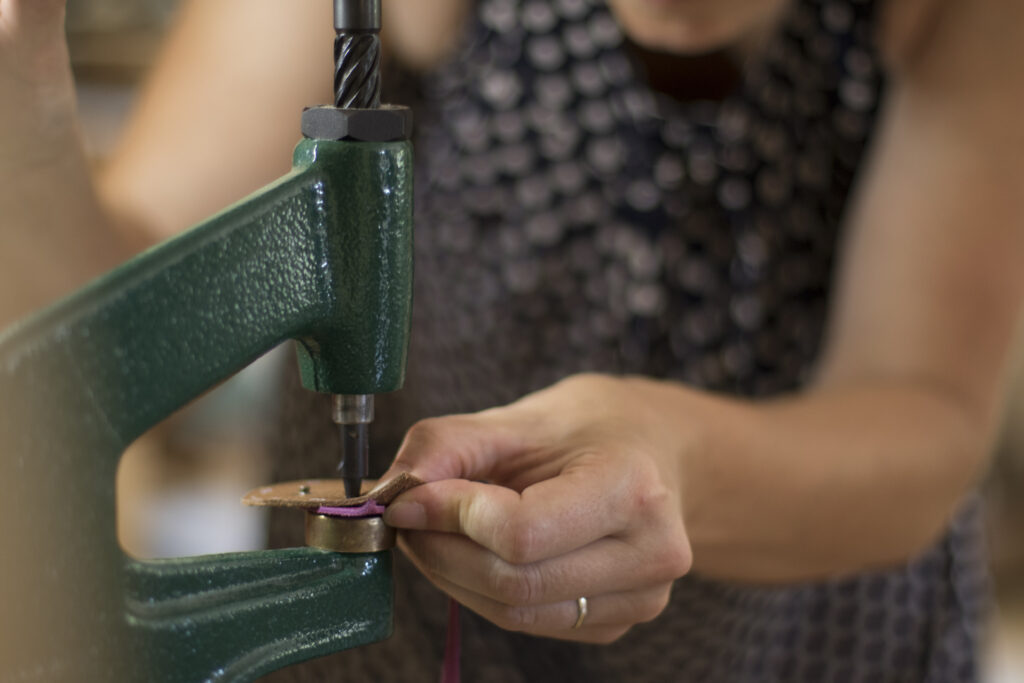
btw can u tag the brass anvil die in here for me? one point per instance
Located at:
(334, 521)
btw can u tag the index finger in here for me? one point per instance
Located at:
(583, 503)
(464, 446)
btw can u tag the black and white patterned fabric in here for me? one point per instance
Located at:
(571, 219)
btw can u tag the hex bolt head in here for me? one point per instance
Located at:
(386, 124)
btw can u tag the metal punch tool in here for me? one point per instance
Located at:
(322, 256)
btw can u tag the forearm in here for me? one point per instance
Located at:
(824, 483)
(54, 234)
(865, 468)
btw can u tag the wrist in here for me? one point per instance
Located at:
(679, 423)
(697, 434)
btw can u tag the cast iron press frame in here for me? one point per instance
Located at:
(322, 256)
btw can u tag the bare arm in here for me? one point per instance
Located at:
(612, 488)
(867, 467)
(47, 203)
(218, 119)
(220, 114)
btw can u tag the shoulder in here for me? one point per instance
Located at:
(918, 36)
(903, 26)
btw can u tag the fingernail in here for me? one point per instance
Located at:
(406, 515)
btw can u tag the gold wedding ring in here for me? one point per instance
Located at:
(581, 608)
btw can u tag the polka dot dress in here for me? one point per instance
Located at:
(571, 219)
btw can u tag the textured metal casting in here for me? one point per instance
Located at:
(323, 256)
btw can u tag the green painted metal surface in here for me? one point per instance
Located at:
(323, 256)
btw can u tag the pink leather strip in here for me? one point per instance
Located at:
(370, 508)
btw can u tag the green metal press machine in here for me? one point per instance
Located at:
(322, 256)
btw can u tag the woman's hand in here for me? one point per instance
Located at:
(37, 97)
(582, 500)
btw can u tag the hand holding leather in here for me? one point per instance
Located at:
(582, 499)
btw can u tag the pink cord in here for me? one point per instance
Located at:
(452, 648)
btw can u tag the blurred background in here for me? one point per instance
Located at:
(179, 487)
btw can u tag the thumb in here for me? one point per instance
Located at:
(475, 446)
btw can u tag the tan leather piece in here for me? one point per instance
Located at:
(314, 493)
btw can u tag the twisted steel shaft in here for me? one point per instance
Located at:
(357, 70)
(356, 86)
